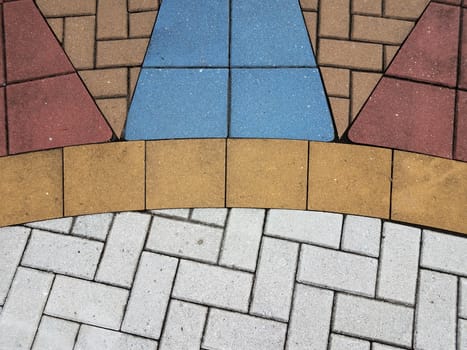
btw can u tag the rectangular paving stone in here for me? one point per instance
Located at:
(93, 226)
(340, 342)
(215, 216)
(337, 270)
(62, 254)
(179, 213)
(31, 187)
(429, 191)
(363, 318)
(236, 331)
(185, 173)
(351, 54)
(123, 249)
(398, 269)
(305, 226)
(463, 298)
(407, 9)
(143, 5)
(184, 239)
(116, 53)
(349, 179)
(141, 23)
(435, 325)
(337, 81)
(379, 29)
(377, 346)
(106, 82)
(91, 338)
(12, 243)
(361, 235)
(275, 277)
(112, 19)
(367, 7)
(104, 178)
(55, 334)
(60, 8)
(444, 252)
(79, 40)
(266, 173)
(334, 18)
(88, 302)
(149, 298)
(184, 326)
(213, 285)
(310, 319)
(462, 334)
(242, 238)
(62, 225)
(23, 309)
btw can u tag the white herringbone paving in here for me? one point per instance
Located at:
(231, 279)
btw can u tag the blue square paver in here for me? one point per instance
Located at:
(283, 103)
(179, 103)
(271, 34)
(190, 33)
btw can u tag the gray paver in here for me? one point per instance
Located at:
(63, 254)
(378, 346)
(62, 225)
(87, 302)
(435, 325)
(463, 298)
(361, 235)
(184, 326)
(275, 277)
(213, 285)
(373, 319)
(399, 263)
(340, 342)
(228, 330)
(55, 334)
(444, 252)
(150, 295)
(92, 338)
(337, 270)
(214, 216)
(462, 329)
(123, 248)
(185, 239)
(93, 226)
(12, 242)
(310, 319)
(179, 213)
(242, 238)
(306, 226)
(23, 308)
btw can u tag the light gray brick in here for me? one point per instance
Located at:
(377, 346)
(337, 270)
(87, 302)
(213, 285)
(92, 338)
(55, 334)
(462, 334)
(444, 252)
(272, 295)
(214, 216)
(62, 225)
(179, 213)
(123, 248)
(435, 324)
(150, 295)
(93, 226)
(340, 342)
(228, 330)
(463, 298)
(373, 319)
(361, 235)
(242, 238)
(310, 319)
(185, 239)
(306, 226)
(12, 242)
(23, 308)
(62, 254)
(399, 263)
(184, 326)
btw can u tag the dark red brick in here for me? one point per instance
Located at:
(407, 116)
(2, 63)
(430, 52)
(461, 133)
(463, 61)
(53, 112)
(3, 147)
(32, 51)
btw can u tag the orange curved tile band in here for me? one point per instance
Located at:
(140, 175)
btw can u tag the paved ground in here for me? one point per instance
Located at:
(231, 279)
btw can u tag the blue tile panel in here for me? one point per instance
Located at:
(269, 33)
(179, 103)
(190, 33)
(280, 103)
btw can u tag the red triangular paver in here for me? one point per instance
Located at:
(430, 53)
(32, 50)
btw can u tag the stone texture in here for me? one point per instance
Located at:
(334, 18)
(340, 342)
(62, 225)
(361, 235)
(112, 19)
(106, 82)
(93, 226)
(79, 41)
(114, 53)
(66, 8)
(379, 29)
(55, 334)
(215, 216)
(141, 23)
(337, 81)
